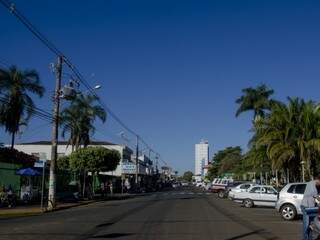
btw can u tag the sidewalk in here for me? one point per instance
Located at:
(32, 210)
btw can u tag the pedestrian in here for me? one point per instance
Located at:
(127, 185)
(312, 190)
(10, 197)
(312, 193)
(102, 188)
(111, 188)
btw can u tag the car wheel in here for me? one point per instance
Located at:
(288, 212)
(248, 203)
(221, 194)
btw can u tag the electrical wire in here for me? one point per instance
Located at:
(11, 7)
(35, 111)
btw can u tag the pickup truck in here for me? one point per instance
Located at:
(219, 186)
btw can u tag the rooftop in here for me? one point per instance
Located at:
(65, 143)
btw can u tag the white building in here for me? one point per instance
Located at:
(42, 149)
(201, 159)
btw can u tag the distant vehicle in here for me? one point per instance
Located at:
(289, 200)
(207, 186)
(219, 185)
(175, 185)
(184, 184)
(243, 187)
(263, 195)
(199, 184)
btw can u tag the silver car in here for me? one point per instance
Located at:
(240, 188)
(289, 200)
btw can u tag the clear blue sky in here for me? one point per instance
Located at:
(172, 69)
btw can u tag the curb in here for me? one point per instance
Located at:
(38, 212)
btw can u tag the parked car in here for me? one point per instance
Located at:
(224, 193)
(243, 187)
(219, 185)
(262, 195)
(199, 184)
(289, 200)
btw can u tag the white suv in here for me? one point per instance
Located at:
(289, 200)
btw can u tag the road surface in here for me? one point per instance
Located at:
(180, 214)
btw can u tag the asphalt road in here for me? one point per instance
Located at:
(180, 214)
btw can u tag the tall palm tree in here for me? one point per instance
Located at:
(78, 118)
(16, 105)
(256, 100)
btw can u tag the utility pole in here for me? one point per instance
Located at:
(302, 170)
(137, 161)
(54, 142)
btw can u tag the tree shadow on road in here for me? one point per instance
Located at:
(113, 235)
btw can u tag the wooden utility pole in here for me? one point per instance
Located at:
(55, 127)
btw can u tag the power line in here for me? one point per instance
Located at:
(11, 7)
(35, 111)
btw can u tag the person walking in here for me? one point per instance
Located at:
(111, 187)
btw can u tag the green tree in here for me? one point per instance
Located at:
(63, 163)
(17, 106)
(256, 100)
(187, 176)
(78, 118)
(228, 160)
(94, 159)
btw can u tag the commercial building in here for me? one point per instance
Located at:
(201, 159)
(126, 168)
(42, 149)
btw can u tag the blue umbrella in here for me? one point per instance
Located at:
(27, 172)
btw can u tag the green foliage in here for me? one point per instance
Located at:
(291, 135)
(94, 159)
(228, 160)
(16, 106)
(187, 176)
(63, 163)
(77, 119)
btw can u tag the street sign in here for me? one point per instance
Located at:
(42, 160)
(39, 163)
(128, 168)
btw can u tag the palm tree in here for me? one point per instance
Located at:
(291, 134)
(256, 100)
(78, 118)
(277, 135)
(16, 106)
